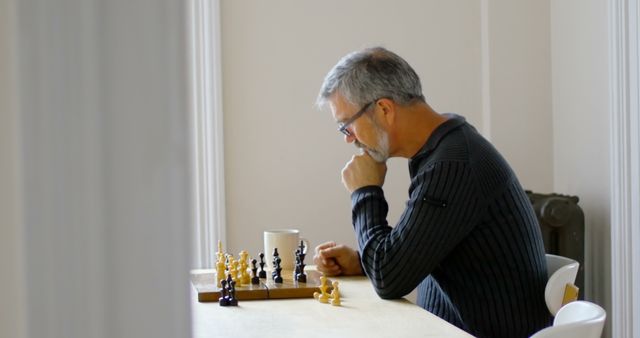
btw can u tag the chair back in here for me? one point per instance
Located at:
(579, 319)
(561, 271)
(555, 262)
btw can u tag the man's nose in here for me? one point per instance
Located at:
(349, 138)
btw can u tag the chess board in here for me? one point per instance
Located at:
(204, 282)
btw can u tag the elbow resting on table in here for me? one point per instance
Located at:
(386, 287)
(390, 293)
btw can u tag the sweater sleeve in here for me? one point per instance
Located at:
(443, 208)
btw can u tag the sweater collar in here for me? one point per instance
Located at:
(453, 122)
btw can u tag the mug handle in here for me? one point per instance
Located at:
(306, 244)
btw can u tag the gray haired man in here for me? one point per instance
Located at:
(468, 238)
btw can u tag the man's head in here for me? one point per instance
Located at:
(368, 81)
(363, 76)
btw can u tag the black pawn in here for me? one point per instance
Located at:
(254, 280)
(278, 277)
(262, 273)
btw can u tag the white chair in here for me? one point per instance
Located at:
(579, 319)
(561, 271)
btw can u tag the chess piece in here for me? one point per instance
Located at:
(224, 296)
(230, 264)
(229, 279)
(243, 275)
(335, 294)
(254, 271)
(300, 275)
(322, 296)
(220, 253)
(233, 271)
(276, 255)
(296, 271)
(278, 271)
(220, 268)
(233, 301)
(262, 273)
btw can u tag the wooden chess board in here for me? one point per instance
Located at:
(204, 282)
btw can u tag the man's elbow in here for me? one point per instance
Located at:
(385, 288)
(389, 293)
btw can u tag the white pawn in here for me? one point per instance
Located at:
(335, 294)
(324, 296)
(238, 273)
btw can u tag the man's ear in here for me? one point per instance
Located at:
(388, 110)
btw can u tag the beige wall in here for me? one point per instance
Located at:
(283, 158)
(520, 88)
(581, 128)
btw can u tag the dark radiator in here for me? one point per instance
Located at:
(562, 224)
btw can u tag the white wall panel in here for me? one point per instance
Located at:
(580, 81)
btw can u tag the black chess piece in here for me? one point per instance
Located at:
(296, 271)
(254, 271)
(262, 273)
(276, 255)
(224, 296)
(278, 271)
(300, 254)
(233, 301)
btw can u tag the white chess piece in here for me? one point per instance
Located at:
(335, 294)
(324, 296)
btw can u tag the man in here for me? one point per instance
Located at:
(468, 238)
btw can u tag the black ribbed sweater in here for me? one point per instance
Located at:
(468, 238)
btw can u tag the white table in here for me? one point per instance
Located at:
(362, 314)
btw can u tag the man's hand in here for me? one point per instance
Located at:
(362, 171)
(333, 260)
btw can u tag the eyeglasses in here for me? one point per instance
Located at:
(342, 127)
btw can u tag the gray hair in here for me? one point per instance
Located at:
(364, 76)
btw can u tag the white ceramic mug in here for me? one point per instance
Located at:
(287, 241)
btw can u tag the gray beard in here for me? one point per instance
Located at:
(379, 155)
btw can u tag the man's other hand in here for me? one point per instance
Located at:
(333, 260)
